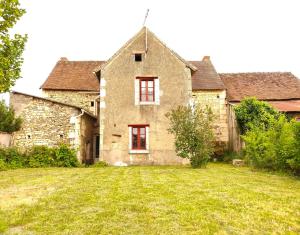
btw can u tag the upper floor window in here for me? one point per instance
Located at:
(147, 90)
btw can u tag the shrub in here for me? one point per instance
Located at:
(38, 156)
(13, 158)
(3, 165)
(254, 113)
(294, 162)
(275, 148)
(193, 131)
(65, 157)
(41, 156)
(8, 122)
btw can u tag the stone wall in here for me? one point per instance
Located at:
(78, 98)
(119, 109)
(217, 101)
(49, 123)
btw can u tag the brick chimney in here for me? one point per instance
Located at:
(206, 58)
(63, 59)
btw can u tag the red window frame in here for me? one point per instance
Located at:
(140, 134)
(147, 87)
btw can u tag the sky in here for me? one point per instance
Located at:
(238, 35)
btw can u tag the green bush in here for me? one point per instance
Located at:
(41, 156)
(8, 122)
(276, 148)
(38, 156)
(3, 165)
(254, 113)
(65, 157)
(193, 131)
(294, 162)
(13, 158)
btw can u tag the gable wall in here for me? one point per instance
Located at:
(77, 98)
(118, 109)
(45, 121)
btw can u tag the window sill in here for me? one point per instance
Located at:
(147, 103)
(138, 151)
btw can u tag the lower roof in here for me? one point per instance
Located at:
(286, 105)
(263, 86)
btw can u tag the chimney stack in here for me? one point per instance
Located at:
(206, 58)
(63, 59)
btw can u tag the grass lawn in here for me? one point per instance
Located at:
(148, 200)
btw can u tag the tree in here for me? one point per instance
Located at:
(11, 46)
(252, 113)
(193, 131)
(8, 122)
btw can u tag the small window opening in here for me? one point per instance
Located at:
(218, 96)
(138, 57)
(28, 136)
(92, 103)
(61, 136)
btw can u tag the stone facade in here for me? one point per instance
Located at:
(83, 99)
(50, 123)
(120, 107)
(216, 100)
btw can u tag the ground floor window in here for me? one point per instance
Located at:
(138, 137)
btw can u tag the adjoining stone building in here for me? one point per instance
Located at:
(49, 122)
(115, 110)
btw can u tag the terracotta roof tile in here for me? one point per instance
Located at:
(286, 105)
(73, 75)
(263, 86)
(206, 77)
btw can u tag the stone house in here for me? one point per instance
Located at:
(115, 110)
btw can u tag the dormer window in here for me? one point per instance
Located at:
(138, 57)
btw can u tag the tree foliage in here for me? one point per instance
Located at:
(252, 113)
(193, 131)
(8, 122)
(11, 46)
(272, 141)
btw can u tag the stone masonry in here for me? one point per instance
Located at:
(78, 98)
(50, 123)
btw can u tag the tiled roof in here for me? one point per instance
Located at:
(263, 86)
(73, 75)
(286, 105)
(206, 77)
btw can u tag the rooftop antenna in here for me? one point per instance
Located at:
(146, 17)
(146, 39)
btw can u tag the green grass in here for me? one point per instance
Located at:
(148, 200)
